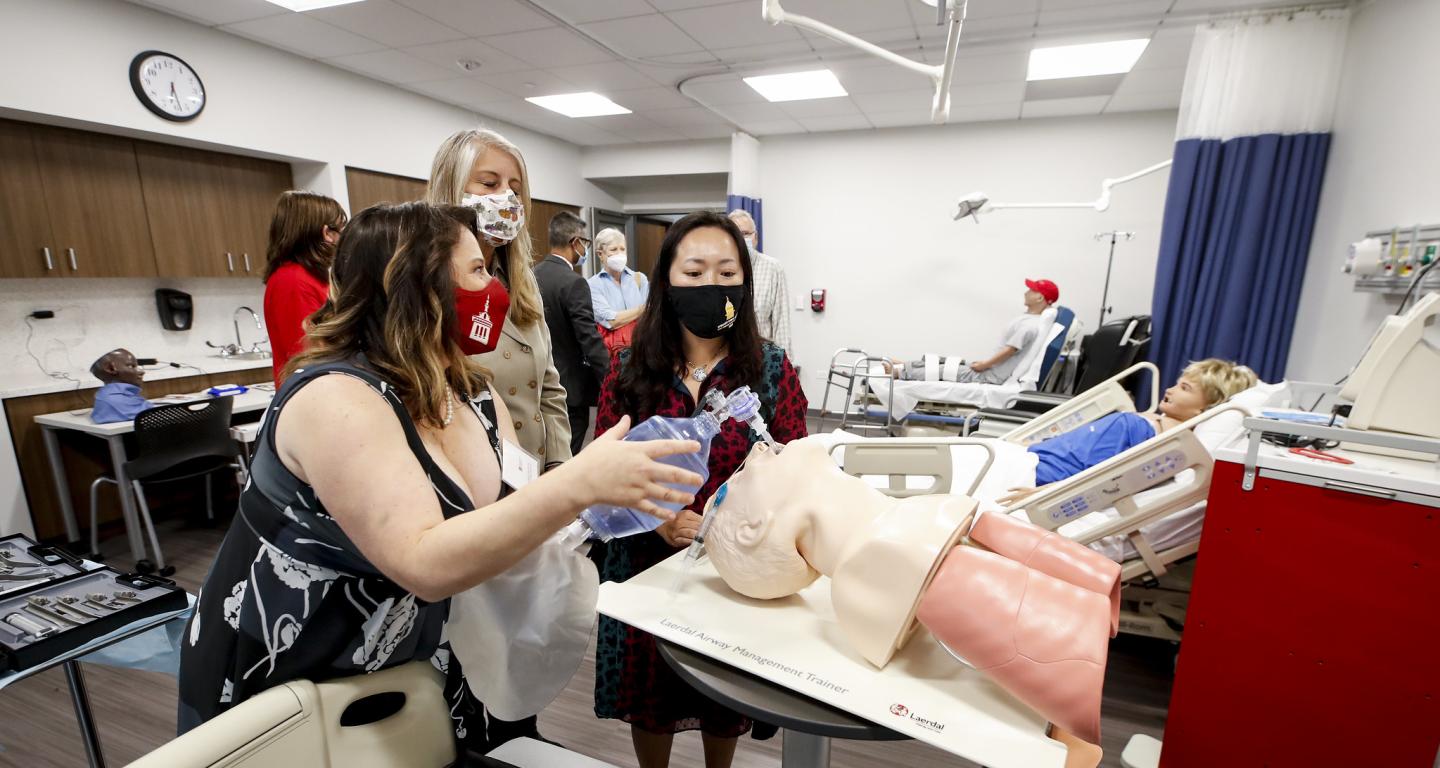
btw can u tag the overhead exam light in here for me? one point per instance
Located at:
(977, 202)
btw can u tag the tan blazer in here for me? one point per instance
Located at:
(526, 379)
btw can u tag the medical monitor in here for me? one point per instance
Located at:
(1394, 386)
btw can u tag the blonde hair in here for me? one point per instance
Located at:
(450, 172)
(607, 237)
(1219, 380)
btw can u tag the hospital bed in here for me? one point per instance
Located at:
(880, 403)
(1143, 507)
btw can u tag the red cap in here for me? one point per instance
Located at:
(1045, 288)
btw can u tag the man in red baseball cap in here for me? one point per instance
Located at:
(1019, 334)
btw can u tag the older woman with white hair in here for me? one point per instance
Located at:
(618, 292)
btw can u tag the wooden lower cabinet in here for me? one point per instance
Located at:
(86, 456)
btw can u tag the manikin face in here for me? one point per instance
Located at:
(121, 365)
(1184, 401)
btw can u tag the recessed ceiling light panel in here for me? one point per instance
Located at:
(797, 86)
(585, 104)
(1085, 60)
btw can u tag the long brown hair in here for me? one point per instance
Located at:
(392, 298)
(450, 172)
(297, 233)
(658, 350)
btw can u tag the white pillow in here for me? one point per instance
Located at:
(1217, 431)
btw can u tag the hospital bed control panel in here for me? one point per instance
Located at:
(1129, 482)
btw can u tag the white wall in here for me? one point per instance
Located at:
(660, 159)
(1384, 171)
(867, 216)
(68, 62)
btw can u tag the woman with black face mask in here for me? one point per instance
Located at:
(697, 333)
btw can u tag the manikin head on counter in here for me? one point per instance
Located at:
(1033, 610)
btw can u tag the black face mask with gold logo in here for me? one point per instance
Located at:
(707, 311)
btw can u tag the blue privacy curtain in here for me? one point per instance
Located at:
(1249, 161)
(750, 205)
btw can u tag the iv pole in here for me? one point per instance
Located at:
(1109, 265)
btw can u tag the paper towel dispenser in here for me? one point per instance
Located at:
(177, 309)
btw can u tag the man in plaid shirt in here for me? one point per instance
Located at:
(770, 289)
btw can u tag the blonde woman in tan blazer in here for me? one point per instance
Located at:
(476, 164)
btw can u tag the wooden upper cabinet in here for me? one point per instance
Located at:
(186, 207)
(209, 213)
(370, 187)
(251, 189)
(24, 223)
(96, 206)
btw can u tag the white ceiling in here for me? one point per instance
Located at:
(677, 63)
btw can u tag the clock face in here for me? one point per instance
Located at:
(167, 86)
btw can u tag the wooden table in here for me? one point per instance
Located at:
(114, 435)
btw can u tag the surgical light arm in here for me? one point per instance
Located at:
(978, 202)
(940, 75)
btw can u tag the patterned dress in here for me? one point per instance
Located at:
(290, 596)
(632, 682)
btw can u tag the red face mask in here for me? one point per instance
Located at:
(479, 316)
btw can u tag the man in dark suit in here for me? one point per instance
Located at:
(575, 342)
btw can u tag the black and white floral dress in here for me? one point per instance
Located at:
(290, 596)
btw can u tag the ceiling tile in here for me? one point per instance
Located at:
(1084, 105)
(584, 11)
(907, 117)
(676, 118)
(880, 79)
(901, 40)
(716, 131)
(794, 50)
(984, 112)
(465, 91)
(1072, 87)
(492, 60)
(1136, 11)
(675, 5)
(1190, 6)
(553, 47)
(894, 101)
(720, 91)
(836, 123)
(303, 35)
(731, 25)
(386, 22)
(642, 36)
(604, 77)
(761, 112)
(985, 9)
(992, 68)
(531, 82)
(853, 16)
(1172, 80)
(990, 93)
(635, 128)
(651, 98)
(392, 66)
(671, 74)
(772, 127)
(477, 19)
(1141, 101)
(217, 12)
(840, 105)
(1167, 51)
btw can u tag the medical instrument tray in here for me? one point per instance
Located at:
(25, 564)
(45, 620)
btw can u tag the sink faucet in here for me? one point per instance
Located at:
(234, 318)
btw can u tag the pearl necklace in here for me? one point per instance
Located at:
(449, 407)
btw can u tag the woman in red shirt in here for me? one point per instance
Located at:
(698, 333)
(303, 235)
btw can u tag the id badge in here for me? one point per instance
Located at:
(517, 467)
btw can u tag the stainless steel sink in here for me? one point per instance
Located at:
(262, 355)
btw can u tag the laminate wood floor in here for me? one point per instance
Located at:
(136, 710)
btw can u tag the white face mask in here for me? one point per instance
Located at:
(750, 241)
(500, 217)
(616, 262)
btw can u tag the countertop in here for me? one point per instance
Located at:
(1410, 475)
(32, 382)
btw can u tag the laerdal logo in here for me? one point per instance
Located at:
(900, 710)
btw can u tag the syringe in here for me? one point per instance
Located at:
(692, 553)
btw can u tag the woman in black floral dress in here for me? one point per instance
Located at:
(698, 334)
(357, 523)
